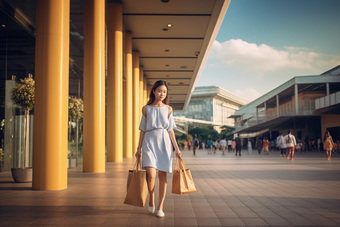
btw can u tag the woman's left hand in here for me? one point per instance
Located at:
(178, 154)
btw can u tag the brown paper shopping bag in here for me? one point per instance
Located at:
(137, 188)
(182, 181)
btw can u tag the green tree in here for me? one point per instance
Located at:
(227, 131)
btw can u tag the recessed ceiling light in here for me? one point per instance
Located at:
(167, 65)
(166, 50)
(3, 25)
(165, 29)
(169, 25)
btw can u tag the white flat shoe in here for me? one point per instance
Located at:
(160, 214)
(151, 209)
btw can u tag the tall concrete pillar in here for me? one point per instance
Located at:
(128, 103)
(145, 91)
(115, 83)
(94, 86)
(51, 95)
(136, 101)
(277, 106)
(296, 93)
(141, 90)
(148, 91)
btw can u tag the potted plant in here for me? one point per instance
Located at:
(22, 94)
(75, 112)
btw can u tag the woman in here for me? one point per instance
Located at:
(291, 143)
(189, 144)
(157, 132)
(209, 146)
(233, 145)
(299, 146)
(259, 145)
(328, 144)
(265, 146)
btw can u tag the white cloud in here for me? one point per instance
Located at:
(263, 58)
(249, 94)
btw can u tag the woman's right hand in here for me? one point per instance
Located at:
(138, 152)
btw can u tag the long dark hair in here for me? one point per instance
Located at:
(154, 87)
(326, 135)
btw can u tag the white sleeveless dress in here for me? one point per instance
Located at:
(157, 147)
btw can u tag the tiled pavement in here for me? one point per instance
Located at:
(250, 190)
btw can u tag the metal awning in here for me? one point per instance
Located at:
(235, 116)
(253, 134)
(264, 125)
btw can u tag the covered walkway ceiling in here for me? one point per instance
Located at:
(175, 54)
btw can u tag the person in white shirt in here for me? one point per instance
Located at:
(229, 145)
(223, 143)
(282, 144)
(277, 142)
(290, 143)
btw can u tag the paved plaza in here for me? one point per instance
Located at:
(250, 190)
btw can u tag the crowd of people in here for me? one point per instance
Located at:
(212, 145)
(287, 144)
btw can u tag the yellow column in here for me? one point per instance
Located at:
(149, 90)
(145, 91)
(141, 92)
(115, 83)
(94, 86)
(128, 104)
(51, 99)
(136, 102)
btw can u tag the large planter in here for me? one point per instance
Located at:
(21, 175)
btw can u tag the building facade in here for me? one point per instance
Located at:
(213, 104)
(306, 105)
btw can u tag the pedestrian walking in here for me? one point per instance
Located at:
(298, 146)
(156, 141)
(250, 148)
(189, 144)
(223, 143)
(328, 144)
(238, 144)
(272, 144)
(229, 145)
(319, 144)
(233, 145)
(195, 144)
(215, 144)
(259, 145)
(282, 144)
(290, 143)
(209, 146)
(265, 145)
(277, 142)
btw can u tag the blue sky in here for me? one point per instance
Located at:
(263, 43)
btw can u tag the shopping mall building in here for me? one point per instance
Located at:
(211, 105)
(106, 52)
(305, 105)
